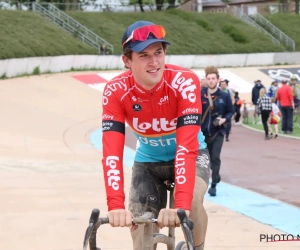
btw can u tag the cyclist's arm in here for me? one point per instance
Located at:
(188, 127)
(113, 139)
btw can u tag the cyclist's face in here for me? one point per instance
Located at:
(147, 66)
(212, 80)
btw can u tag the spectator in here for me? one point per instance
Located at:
(237, 108)
(274, 118)
(203, 83)
(296, 94)
(224, 87)
(255, 96)
(217, 110)
(286, 101)
(104, 50)
(273, 89)
(264, 108)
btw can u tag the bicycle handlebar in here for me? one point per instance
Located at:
(187, 227)
(95, 222)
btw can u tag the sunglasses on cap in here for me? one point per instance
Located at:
(142, 33)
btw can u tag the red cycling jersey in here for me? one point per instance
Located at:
(166, 121)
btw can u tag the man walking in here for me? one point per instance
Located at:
(255, 96)
(286, 100)
(217, 112)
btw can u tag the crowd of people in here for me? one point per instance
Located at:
(278, 103)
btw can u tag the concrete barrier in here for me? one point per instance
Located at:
(287, 58)
(3, 67)
(15, 67)
(260, 59)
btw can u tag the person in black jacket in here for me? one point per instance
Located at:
(255, 96)
(237, 108)
(217, 110)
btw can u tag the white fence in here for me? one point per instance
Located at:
(15, 67)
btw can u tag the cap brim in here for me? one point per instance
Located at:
(140, 46)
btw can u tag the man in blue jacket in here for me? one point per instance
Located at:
(255, 96)
(217, 110)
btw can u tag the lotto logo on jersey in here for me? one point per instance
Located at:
(185, 86)
(113, 174)
(157, 125)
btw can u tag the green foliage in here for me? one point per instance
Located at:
(186, 16)
(36, 71)
(26, 34)
(237, 35)
(188, 32)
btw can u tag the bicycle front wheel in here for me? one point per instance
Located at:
(181, 246)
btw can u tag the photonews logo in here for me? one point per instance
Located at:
(278, 237)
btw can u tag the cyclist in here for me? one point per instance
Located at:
(162, 105)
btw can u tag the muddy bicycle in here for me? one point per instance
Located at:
(150, 239)
(245, 113)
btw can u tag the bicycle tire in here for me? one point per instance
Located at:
(181, 246)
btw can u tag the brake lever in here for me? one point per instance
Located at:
(93, 220)
(187, 226)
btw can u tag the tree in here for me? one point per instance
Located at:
(141, 5)
(297, 7)
(159, 4)
(171, 4)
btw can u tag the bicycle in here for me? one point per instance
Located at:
(150, 240)
(245, 113)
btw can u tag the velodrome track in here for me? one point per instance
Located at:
(51, 173)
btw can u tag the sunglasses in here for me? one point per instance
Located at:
(142, 33)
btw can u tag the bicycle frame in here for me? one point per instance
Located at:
(151, 240)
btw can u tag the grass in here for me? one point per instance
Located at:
(260, 127)
(289, 24)
(26, 34)
(189, 33)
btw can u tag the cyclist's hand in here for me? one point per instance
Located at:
(169, 218)
(120, 218)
